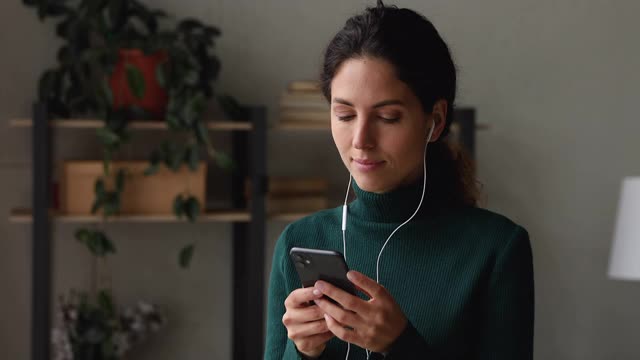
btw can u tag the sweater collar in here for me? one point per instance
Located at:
(393, 206)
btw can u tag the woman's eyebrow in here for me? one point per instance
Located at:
(388, 102)
(342, 101)
(377, 105)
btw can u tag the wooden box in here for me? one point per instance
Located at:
(142, 195)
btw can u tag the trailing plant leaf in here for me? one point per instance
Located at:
(173, 122)
(202, 134)
(100, 195)
(106, 244)
(135, 79)
(186, 255)
(83, 235)
(120, 177)
(106, 160)
(99, 188)
(106, 93)
(192, 208)
(224, 161)
(178, 206)
(193, 157)
(175, 157)
(97, 203)
(194, 109)
(191, 77)
(189, 25)
(111, 204)
(56, 9)
(96, 241)
(47, 83)
(232, 108)
(107, 136)
(161, 70)
(105, 302)
(154, 163)
(63, 28)
(118, 13)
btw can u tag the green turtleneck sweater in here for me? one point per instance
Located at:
(463, 277)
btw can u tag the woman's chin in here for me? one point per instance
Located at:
(369, 184)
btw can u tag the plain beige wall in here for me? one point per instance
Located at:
(557, 82)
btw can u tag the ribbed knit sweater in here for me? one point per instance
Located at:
(463, 277)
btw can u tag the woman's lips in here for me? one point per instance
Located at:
(367, 165)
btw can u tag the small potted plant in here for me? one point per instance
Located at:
(98, 330)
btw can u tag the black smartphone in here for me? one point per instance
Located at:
(313, 265)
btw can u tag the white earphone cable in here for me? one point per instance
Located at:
(424, 188)
(344, 220)
(344, 241)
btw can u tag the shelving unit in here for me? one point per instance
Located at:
(248, 223)
(25, 216)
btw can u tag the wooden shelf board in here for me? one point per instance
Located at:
(293, 125)
(25, 216)
(288, 217)
(138, 125)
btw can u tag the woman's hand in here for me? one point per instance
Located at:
(305, 323)
(372, 324)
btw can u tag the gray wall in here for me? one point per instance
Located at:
(557, 82)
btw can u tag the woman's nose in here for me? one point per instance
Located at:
(363, 137)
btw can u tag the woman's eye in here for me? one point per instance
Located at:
(389, 120)
(344, 118)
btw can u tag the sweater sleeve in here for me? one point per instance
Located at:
(507, 330)
(509, 309)
(409, 344)
(276, 344)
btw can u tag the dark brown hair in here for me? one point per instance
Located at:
(422, 60)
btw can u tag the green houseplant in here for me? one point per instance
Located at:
(121, 61)
(95, 34)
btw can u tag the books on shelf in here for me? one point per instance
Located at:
(304, 86)
(292, 186)
(305, 116)
(294, 195)
(289, 101)
(296, 204)
(303, 102)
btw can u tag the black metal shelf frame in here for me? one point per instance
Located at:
(249, 150)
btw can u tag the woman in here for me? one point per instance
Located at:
(440, 278)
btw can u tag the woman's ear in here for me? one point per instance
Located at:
(439, 118)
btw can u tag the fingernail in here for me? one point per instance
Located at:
(351, 276)
(317, 292)
(319, 285)
(326, 317)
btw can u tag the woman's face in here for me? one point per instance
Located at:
(379, 125)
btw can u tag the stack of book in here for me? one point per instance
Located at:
(302, 103)
(286, 195)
